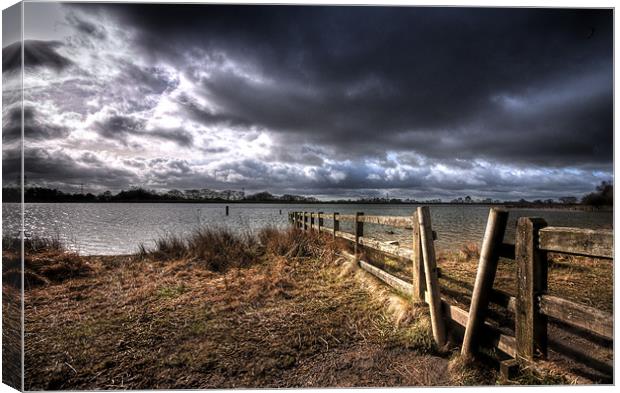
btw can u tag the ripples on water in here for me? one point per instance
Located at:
(119, 228)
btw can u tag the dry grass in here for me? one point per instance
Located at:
(45, 261)
(294, 316)
(220, 310)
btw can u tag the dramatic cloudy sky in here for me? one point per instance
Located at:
(326, 101)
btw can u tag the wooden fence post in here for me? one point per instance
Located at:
(430, 270)
(530, 324)
(336, 226)
(320, 218)
(359, 232)
(487, 267)
(305, 221)
(419, 280)
(311, 221)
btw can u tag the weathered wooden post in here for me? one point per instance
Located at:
(530, 324)
(311, 221)
(320, 220)
(305, 221)
(487, 267)
(419, 280)
(430, 271)
(359, 232)
(227, 210)
(336, 226)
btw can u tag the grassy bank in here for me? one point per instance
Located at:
(218, 310)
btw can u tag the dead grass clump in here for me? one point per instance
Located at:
(469, 252)
(45, 261)
(216, 249)
(295, 243)
(170, 247)
(469, 372)
(220, 249)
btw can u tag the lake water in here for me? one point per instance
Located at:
(107, 229)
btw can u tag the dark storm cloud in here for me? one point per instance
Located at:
(36, 54)
(47, 167)
(356, 99)
(35, 128)
(208, 117)
(86, 27)
(120, 127)
(407, 78)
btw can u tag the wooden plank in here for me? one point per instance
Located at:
(430, 271)
(575, 314)
(530, 325)
(346, 236)
(417, 260)
(387, 248)
(499, 297)
(394, 221)
(596, 243)
(492, 335)
(581, 355)
(347, 217)
(487, 267)
(393, 281)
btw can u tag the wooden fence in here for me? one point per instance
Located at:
(530, 306)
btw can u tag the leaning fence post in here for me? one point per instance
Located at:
(320, 217)
(430, 270)
(417, 259)
(336, 226)
(487, 267)
(359, 232)
(530, 324)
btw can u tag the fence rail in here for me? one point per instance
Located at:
(531, 305)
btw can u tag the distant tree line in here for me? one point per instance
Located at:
(138, 194)
(602, 196)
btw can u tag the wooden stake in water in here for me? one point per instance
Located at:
(226, 210)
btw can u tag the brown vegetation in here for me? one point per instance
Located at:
(45, 261)
(218, 310)
(290, 314)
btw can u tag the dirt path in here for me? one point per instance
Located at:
(286, 323)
